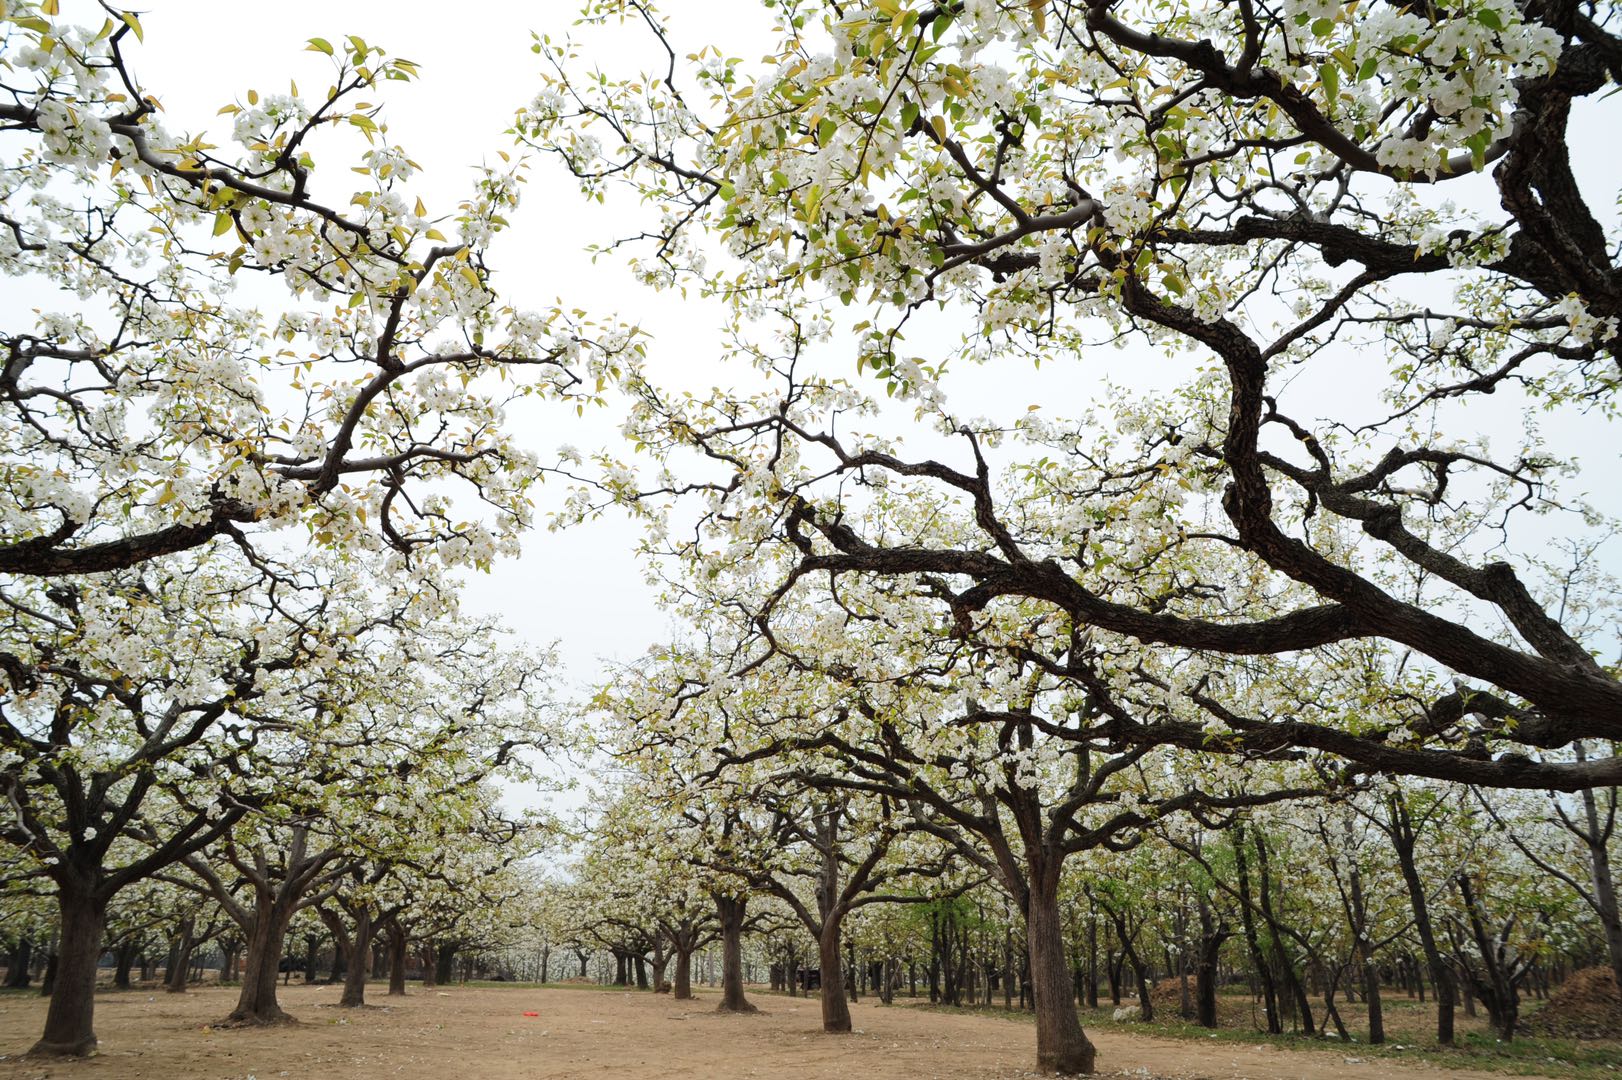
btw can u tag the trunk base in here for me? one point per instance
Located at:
(743, 1007)
(257, 1019)
(1078, 1061)
(82, 1048)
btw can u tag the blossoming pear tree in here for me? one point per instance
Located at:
(987, 739)
(644, 879)
(1272, 198)
(226, 338)
(449, 710)
(149, 710)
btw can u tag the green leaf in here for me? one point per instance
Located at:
(1490, 19)
(1330, 74)
(320, 45)
(222, 224)
(1370, 68)
(1322, 28)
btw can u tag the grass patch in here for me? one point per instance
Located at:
(1528, 1055)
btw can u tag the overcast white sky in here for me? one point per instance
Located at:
(582, 586)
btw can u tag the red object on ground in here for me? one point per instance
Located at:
(532, 1014)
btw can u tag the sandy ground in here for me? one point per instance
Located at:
(483, 1034)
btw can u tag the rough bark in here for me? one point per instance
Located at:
(397, 959)
(1496, 985)
(835, 1009)
(69, 1021)
(1365, 954)
(354, 994)
(1061, 1045)
(730, 912)
(681, 988)
(256, 1001)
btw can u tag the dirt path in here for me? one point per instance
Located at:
(482, 1034)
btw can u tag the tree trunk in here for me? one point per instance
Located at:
(1061, 1045)
(125, 955)
(230, 956)
(1205, 971)
(835, 1009)
(1091, 985)
(1365, 956)
(1597, 840)
(428, 976)
(69, 1021)
(354, 995)
(22, 956)
(265, 936)
(340, 958)
(47, 979)
(658, 964)
(1497, 987)
(1292, 981)
(730, 911)
(682, 987)
(1275, 1024)
(174, 979)
(1403, 839)
(445, 958)
(397, 960)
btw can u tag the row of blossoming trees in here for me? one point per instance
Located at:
(1316, 595)
(1179, 882)
(250, 431)
(1334, 611)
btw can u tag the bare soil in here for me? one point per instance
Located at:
(467, 1033)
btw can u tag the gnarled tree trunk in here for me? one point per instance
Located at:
(69, 1021)
(256, 1001)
